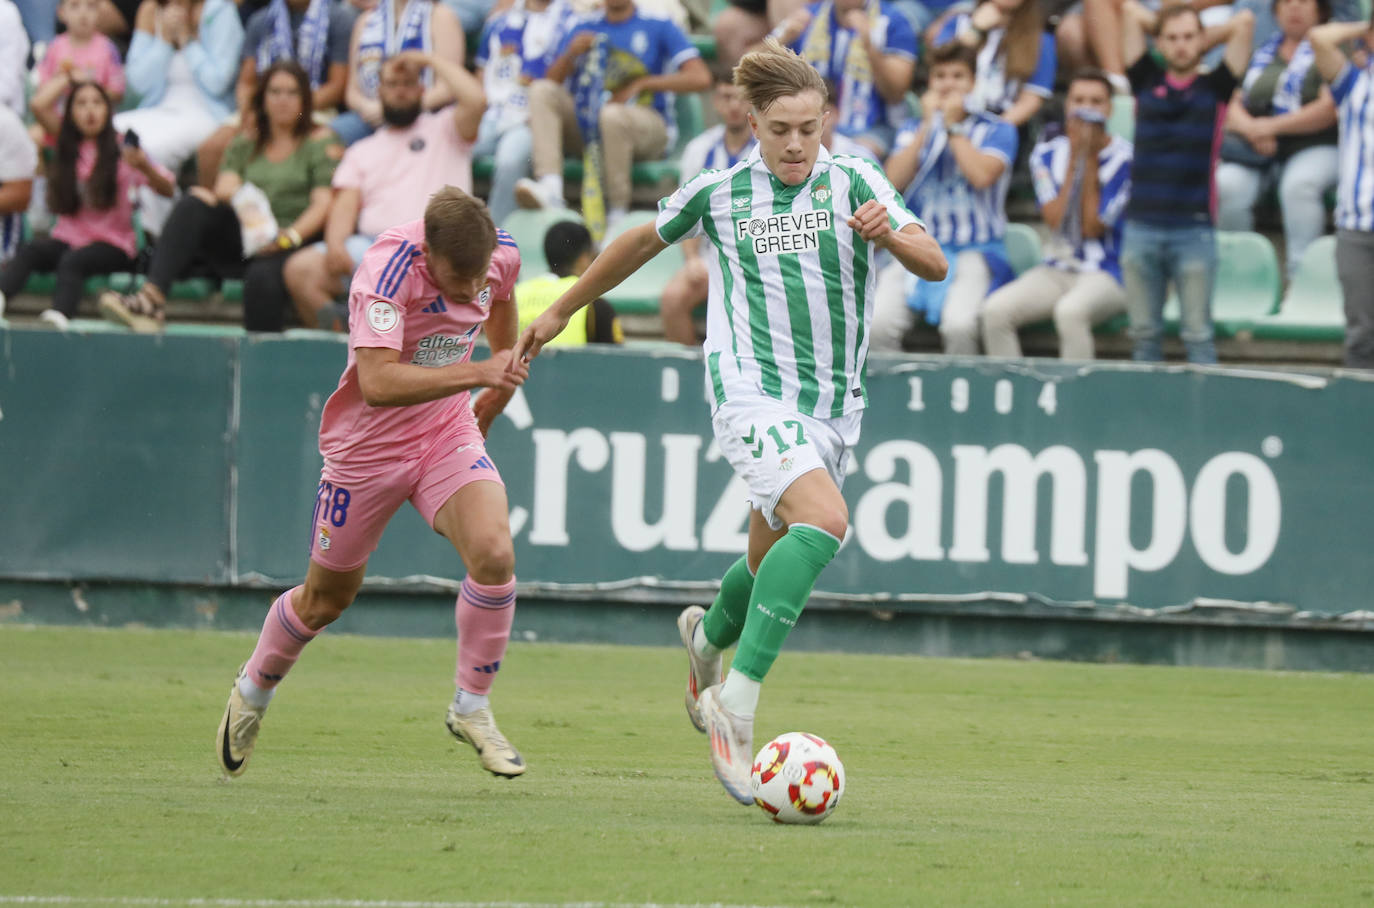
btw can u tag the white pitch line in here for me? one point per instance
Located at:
(150, 902)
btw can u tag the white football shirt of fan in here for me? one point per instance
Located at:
(788, 311)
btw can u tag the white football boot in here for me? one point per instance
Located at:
(732, 744)
(701, 673)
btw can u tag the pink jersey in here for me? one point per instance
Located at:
(394, 304)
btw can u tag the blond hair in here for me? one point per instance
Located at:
(774, 72)
(459, 230)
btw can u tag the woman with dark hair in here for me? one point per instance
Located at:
(289, 167)
(1281, 129)
(89, 183)
(1016, 57)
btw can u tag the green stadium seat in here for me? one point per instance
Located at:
(1122, 121)
(1023, 247)
(43, 284)
(641, 292)
(1247, 288)
(1314, 308)
(706, 45)
(528, 229)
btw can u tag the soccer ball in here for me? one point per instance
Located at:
(797, 778)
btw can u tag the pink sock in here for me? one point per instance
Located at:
(283, 637)
(484, 615)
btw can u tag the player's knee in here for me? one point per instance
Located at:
(492, 562)
(318, 607)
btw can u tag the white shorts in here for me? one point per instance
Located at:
(770, 444)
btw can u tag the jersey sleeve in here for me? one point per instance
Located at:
(901, 39)
(1344, 82)
(677, 49)
(1041, 81)
(1114, 190)
(1042, 173)
(1000, 141)
(376, 318)
(1223, 82)
(1144, 73)
(505, 266)
(481, 57)
(871, 183)
(680, 215)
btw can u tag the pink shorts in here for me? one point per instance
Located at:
(355, 502)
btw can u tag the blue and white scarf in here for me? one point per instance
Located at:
(383, 38)
(1288, 93)
(308, 49)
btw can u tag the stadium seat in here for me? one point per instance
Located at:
(1023, 247)
(1247, 287)
(706, 45)
(1314, 308)
(528, 229)
(641, 292)
(1122, 121)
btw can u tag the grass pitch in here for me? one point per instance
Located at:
(983, 782)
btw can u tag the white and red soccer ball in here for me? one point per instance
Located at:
(797, 778)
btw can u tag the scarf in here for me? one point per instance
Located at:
(308, 47)
(383, 38)
(822, 47)
(1288, 93)
(589, 96)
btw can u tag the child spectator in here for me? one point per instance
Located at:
(80, 54)
(953, 167)
(289, 167)
(89, 185)
(1016, 59)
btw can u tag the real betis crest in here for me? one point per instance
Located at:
(821, 194)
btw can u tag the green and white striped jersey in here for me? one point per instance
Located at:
(788, 312)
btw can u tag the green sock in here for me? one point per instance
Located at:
(725, 618)
(784, 582)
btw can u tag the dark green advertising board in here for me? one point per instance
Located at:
(194, 460)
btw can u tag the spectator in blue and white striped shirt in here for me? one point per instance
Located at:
(1352, 87)
(1079, 283)
(718, 148)
(953, 168)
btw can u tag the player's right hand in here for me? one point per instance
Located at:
(542, 330)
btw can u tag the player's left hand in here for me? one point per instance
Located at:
(871, 222)
(490, 404)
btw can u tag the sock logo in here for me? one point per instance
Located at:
(490, 668)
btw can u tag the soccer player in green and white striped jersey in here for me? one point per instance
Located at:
(795, 232)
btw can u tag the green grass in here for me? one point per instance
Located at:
(986, 782)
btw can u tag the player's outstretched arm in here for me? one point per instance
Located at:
(387, 382)
(630, 251)
(912, 246)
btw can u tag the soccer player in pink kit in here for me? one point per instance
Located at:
(400, 426)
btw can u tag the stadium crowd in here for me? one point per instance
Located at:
(270, 141)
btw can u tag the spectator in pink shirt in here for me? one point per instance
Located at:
(89, 184)
(386, 178)
(80, 54)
